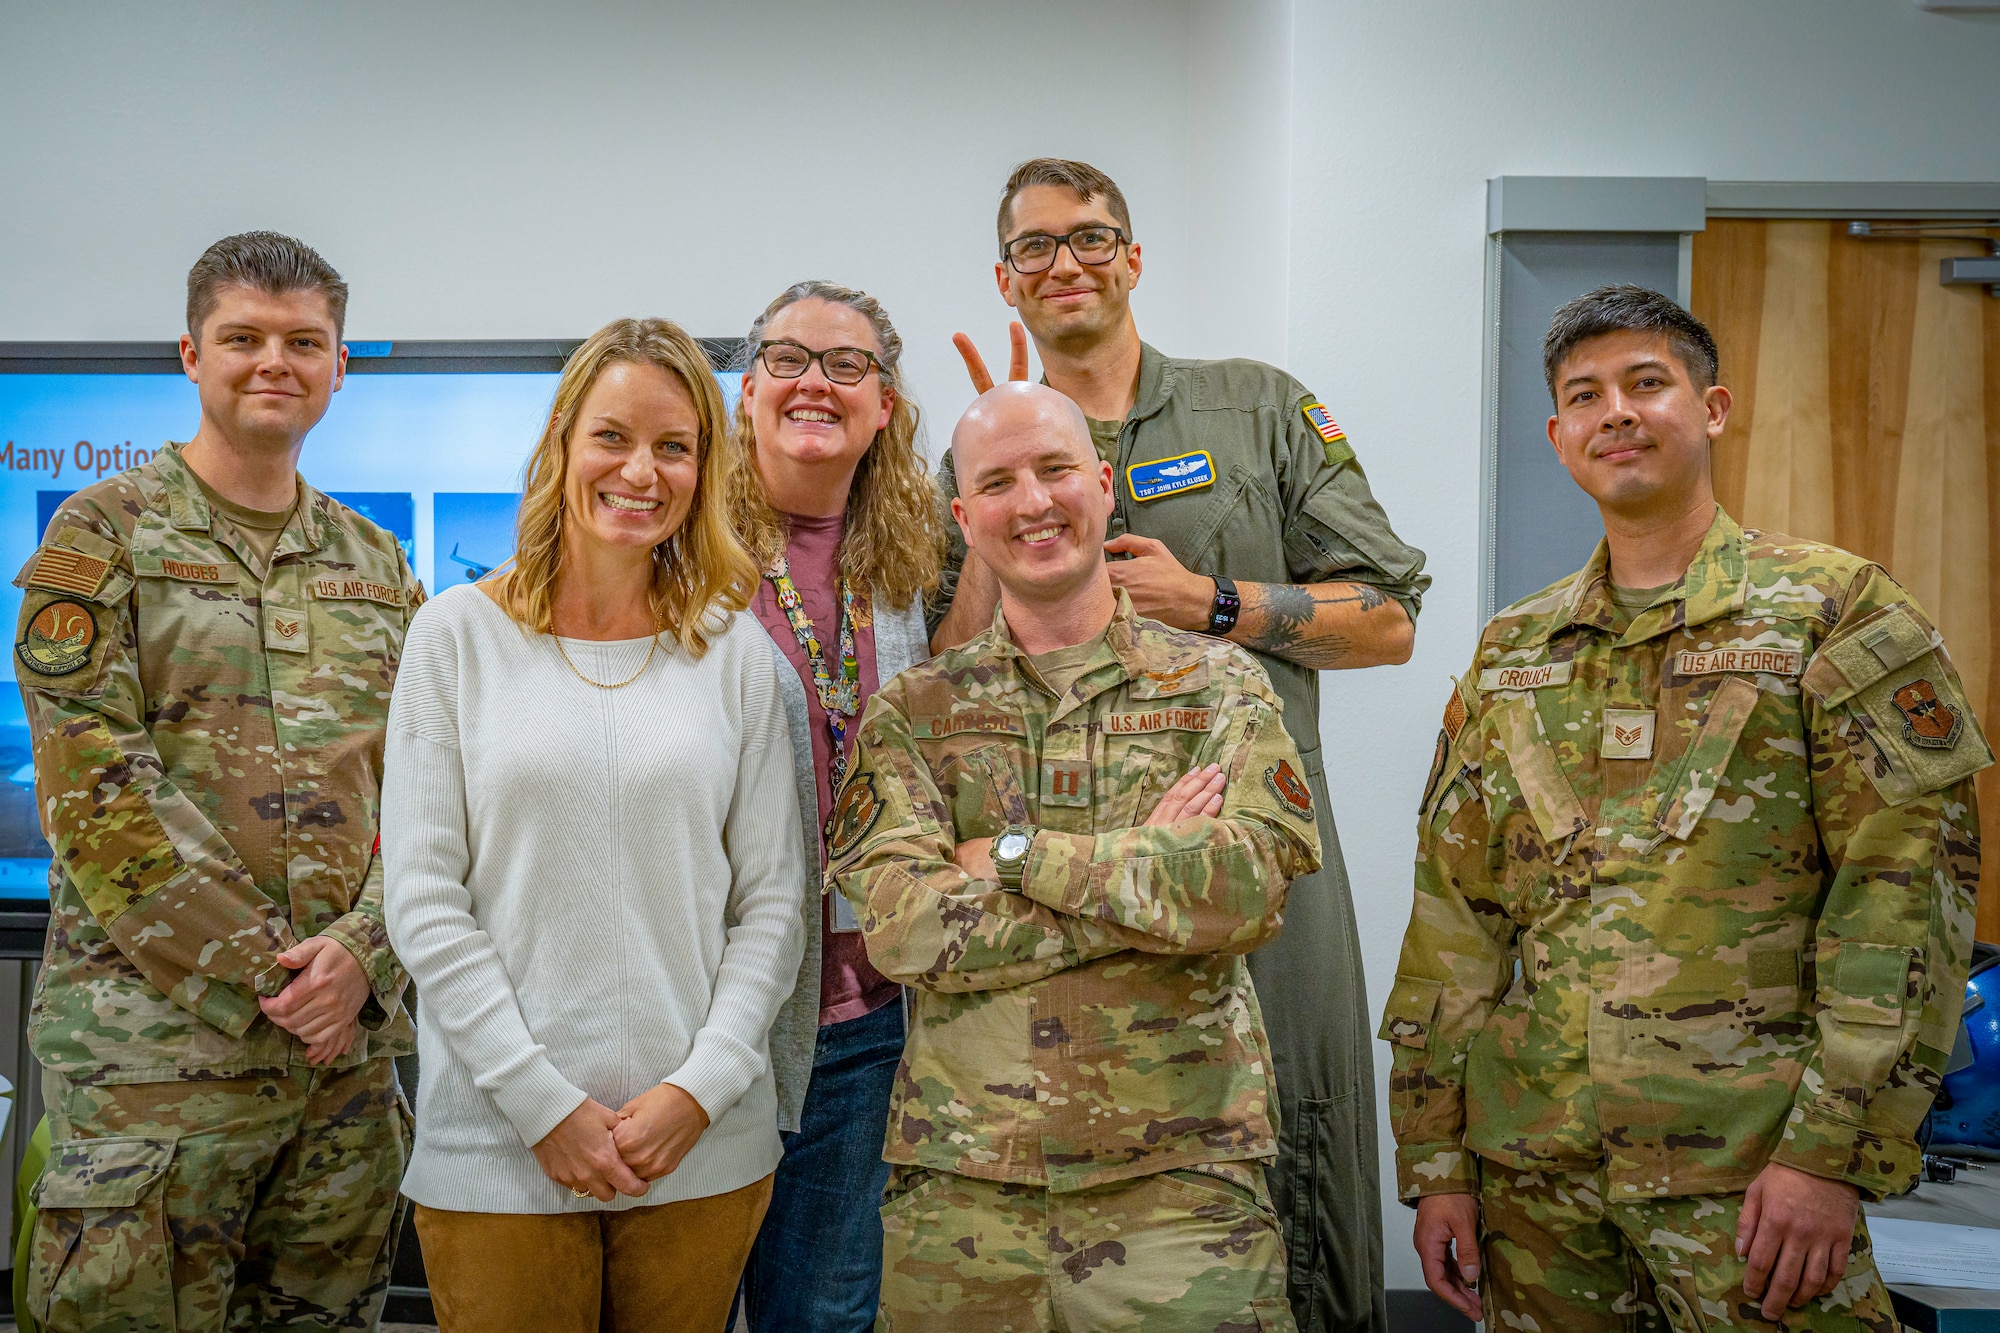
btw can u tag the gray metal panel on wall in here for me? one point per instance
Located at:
(1541, 526)
(1596, 203)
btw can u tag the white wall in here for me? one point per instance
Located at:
(516, 170)
(1400, 115)
(1308, 180)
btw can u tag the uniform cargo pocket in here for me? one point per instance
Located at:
(1274, 1315)
(1412, 1009)
(908, 1187)
(1869, 983)
(101, 1256)
(1891, 674)
(1232, 1185)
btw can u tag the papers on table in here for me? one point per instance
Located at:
(1934, 1254)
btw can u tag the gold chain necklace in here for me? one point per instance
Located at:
(654, 647)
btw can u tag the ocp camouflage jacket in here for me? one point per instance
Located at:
(1694, 896)
(1101, 1024)
(208, 761)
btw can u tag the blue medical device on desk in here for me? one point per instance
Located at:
(1965, 1119)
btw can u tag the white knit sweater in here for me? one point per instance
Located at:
(594, 891)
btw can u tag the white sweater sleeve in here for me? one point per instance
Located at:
(760, 960)
(463, 987)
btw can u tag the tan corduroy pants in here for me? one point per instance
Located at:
(670, 1266)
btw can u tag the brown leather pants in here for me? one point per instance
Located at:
(670, 1266)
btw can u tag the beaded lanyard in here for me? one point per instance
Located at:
(840, 698)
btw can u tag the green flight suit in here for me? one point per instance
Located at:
(1282, 503)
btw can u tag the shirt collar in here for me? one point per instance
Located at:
(1716, 584)
(310, 528)
(1120, 638)
(1157, 378)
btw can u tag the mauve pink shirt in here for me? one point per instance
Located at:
(849, 985)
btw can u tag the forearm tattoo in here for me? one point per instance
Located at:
(1282, 615)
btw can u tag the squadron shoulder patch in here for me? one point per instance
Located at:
(58, 640)
(853, 815)
(60, 569)
(1290, 789)
(1338, 450)
(1927, 719)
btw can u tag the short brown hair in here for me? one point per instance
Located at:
(701, 568)
(269, 262)
(1618, 307)
(1082, 179)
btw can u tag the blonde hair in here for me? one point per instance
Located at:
(701, 566)
(893, 546)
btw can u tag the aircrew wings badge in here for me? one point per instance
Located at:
(1170, 476)
(1290, 789)
(853, 815)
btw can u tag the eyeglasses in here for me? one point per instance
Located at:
(788, 360)
(1036, 252)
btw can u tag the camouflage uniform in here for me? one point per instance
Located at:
(1282, 499)
(1692, 896)
(1087, 1058)
(208, 757)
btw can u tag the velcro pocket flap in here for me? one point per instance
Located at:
(1702, 764)
(1545, 790)
(1869, 983)
(1880, 643)
(71, 569)
(1411, 1011)
(102, 1173)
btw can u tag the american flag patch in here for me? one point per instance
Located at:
(64, 570)
(1322, 421)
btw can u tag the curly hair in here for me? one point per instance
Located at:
(702, 567)
(893, 545)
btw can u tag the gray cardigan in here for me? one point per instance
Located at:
(900, 641)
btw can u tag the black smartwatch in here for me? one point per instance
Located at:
(1222, 611)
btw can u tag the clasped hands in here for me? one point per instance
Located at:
(321, 1003)
(605, 1153)
(1197, 794)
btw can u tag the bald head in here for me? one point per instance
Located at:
(1033, 496)
(1010, 411)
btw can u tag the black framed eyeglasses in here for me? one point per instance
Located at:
(1036, 252)
(787, 360)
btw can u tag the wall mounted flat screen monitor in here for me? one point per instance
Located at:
(427, 439)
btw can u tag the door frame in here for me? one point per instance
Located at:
(1678, 205)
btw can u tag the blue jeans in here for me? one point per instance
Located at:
(817, 1263)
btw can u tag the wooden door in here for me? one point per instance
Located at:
(1867, 415)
